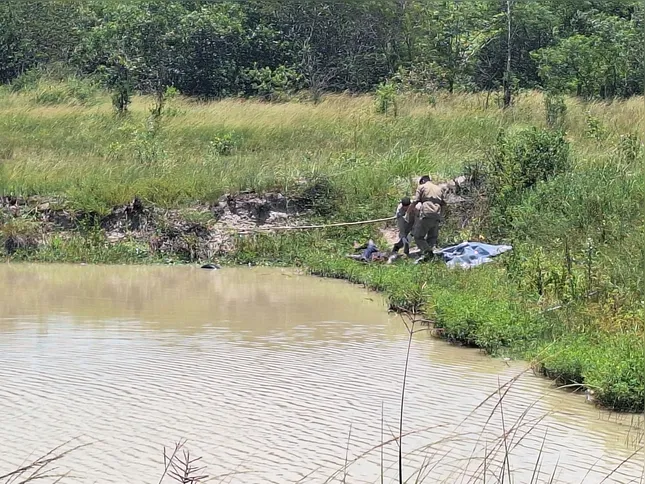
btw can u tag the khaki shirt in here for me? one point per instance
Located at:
(431, 199)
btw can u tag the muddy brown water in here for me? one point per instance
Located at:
(273, 377)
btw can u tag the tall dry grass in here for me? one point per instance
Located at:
(202, 150)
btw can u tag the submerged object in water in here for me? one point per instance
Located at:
(211, 266)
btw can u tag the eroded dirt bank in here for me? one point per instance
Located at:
(198, 232)
(195, 233)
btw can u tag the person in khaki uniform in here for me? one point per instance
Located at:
(404, 223)
(430, 200)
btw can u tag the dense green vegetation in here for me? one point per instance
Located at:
(217, 97)
(270, 48)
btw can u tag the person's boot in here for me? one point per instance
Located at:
(425, 256)
(422, 258)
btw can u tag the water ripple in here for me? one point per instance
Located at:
(266, 381)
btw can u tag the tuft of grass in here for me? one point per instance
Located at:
(91, 248)
(19, 234)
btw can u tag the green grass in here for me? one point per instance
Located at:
(577, 236)
(96, 159)
(91, 249)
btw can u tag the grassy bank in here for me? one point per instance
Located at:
(570, 295)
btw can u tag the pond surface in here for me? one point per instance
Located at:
(273, 377)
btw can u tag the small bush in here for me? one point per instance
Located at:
(224, 144)
(612, 366)
(616, 373)
(595, 129)
(522, 159)
(164, 105)
(26, 81)
(82, 91)
(565, 361)
(121, 97)
(494, 325)
(274, 85)
(386, 99)
(118, 78)
(418, 79)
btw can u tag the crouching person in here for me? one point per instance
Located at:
(431, 199)
(404, 222)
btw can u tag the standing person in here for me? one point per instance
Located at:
(430, 200)
(404, 223)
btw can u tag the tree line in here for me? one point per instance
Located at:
(267, 48)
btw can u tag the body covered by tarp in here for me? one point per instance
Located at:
(471, 254)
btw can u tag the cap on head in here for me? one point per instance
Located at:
(405, 201)
(425, 179)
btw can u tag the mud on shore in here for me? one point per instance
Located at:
(198, 232)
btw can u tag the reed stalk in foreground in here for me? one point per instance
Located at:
(181, 467)
(409, 326)
(41, 468)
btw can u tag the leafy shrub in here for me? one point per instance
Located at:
(418, 79)
(274, 85)
(224, 144)
(616, 373)
(478, 320)
(595, 129)
(164, 105)
(522, 159)
(565, 360)
(386, 98)
(612, 366)
(320, 195)
(603, 201)
(553, 275)
(26, 81)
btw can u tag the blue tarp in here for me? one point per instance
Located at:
(471, 254)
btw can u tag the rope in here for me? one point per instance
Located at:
(310, 227)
